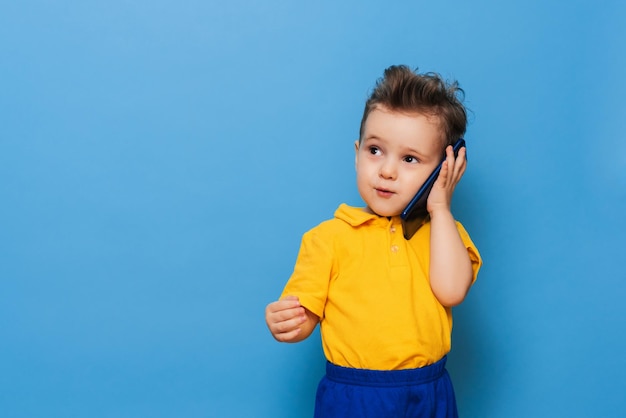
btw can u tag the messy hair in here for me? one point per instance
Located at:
(404, 90)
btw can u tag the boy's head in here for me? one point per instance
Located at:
(408, 121)
(405, 91)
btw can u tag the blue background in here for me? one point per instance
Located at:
(160, 160)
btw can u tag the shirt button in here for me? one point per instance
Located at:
(394, 248)
(392, 229)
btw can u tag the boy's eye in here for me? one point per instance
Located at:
(410, 159)
(374, 150)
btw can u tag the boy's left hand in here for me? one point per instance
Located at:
(452, 170)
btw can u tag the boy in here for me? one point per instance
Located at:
(384, 302)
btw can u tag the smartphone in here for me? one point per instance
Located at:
(415, 213)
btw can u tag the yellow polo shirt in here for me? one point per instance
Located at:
(370, 288)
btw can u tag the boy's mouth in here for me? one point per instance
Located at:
(384, 192)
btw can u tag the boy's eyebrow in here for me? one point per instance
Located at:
(371, 138)
(421, 155)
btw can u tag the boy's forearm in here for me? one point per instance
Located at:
(450, 265)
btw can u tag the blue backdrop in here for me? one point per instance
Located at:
(160, 160)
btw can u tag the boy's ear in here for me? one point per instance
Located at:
(356, 153)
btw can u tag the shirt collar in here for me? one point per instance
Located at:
(358, 216)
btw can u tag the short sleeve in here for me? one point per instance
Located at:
(472, 251)
(312, 273)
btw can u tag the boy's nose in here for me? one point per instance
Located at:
(388, 170)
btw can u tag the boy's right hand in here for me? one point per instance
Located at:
(288, 320)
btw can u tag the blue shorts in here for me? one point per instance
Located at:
(361, 393)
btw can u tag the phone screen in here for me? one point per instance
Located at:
(415, 213)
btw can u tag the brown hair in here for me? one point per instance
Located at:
(401, 89)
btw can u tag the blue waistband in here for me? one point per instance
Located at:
(366, 377)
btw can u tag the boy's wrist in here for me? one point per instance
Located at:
(441, 212)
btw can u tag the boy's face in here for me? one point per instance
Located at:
(396, 155)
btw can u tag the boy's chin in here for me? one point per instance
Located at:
(384, 212)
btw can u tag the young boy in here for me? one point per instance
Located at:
(384, 302)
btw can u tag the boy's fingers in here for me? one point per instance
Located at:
(284, 310)
(456, 164)
(289, 314)
(462, 157)
(288, 302)
(289, 324)
(287, 336)
(444, 173)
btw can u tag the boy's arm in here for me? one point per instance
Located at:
(289, 321)
(450, 265)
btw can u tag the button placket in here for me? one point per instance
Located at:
(397, 248)
(394, 247)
